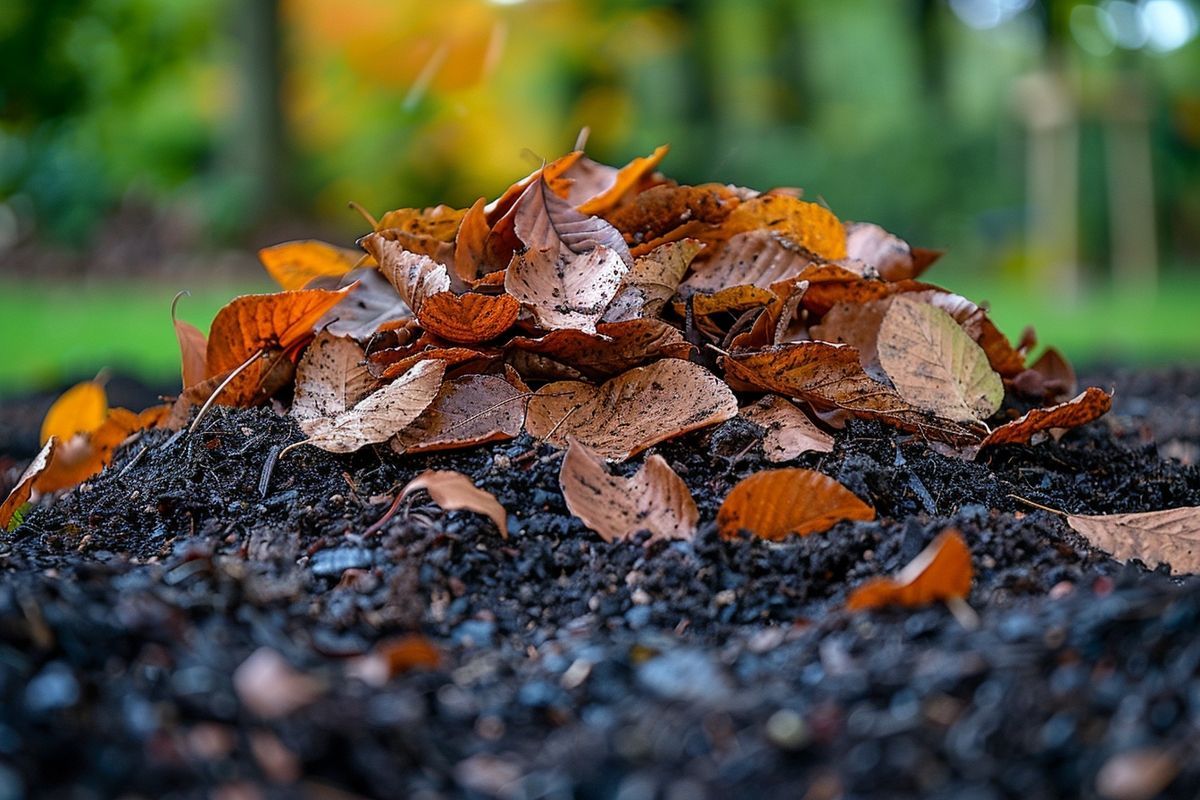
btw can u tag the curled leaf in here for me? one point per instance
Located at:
(1170, 536)
(670, 213)
(787, 431)
(193, 347)
(293, 265)
(624, 181)
(934, 365)
(23, 490)
(942, 571)
(1089, 405)
(544, 221)
(890, 255)
(774, 503)
(654, 498)
(636, 409)
(454, 491)
(380, 415)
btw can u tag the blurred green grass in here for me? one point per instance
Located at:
(61, 331)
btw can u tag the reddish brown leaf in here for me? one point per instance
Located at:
(659, 215)
(470, 242)
(942, 571)
(614, 347)
(1085, 407)
(469, 318)
(467, 411)
(777, 502)
(632, 411)
(454, 491)
(653, 499)
(890, 255)
(193, 347)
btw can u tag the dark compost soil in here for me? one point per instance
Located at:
(575, 668)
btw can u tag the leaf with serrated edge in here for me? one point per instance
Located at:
(787, 431)
(776, 502)
(454, 491)
(934, 364)
(331, 378)
(1170, 536)
(632, 411)
(380, 415)
(942, 571)
(654, 498)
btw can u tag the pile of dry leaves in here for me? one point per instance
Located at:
(603, 311)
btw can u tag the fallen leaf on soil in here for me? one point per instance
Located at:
(1171, 536)
(294, 264)
(470, 241)
(805, 224)
(467, 411)
(1089, 405)
(394, 657)
(566, 291)
(615, 346)
(80, 409)
(856, 324)
(264, 376)
(653, 499)
(270, 687)
(788, 432)
(256, 322)
(934, 364)
(652, 281)
(1140, 774)
(10, 509)
(942, 571)
(193, 349)
(454, 491)
(380, 415)
(86, 454)
(754, 258)
(632, 411)
(774, 503)
(331, 378)
(829, 376)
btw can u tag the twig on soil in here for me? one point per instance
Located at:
(212, 398)
(264, 480)
(387, 515)
(1039, 506)
(133, 461)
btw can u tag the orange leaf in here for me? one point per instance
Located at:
(293, 264)
(625, 181)
(470, 242)
(942, 571)
(654, 499)
(23, 490)
(84, 455)
(807, 225)
(1085, 407)
(439, 223)
(661, 214)
(468, 318)
(551, 173)
(193, 347)
(777, 502)
(80, 409)
(733, 299)
(454, 491)
(261, 321)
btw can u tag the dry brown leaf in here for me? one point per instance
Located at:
(380, 415)
(670, 213)
(1050, 378)
(545, 222)
(257, 322)
(262, 378)
(632, 411)
(733, 299)
(753, 258)
(625, 181)
(454, 491)
(80, 409)
(76, 459)
(653, 499)
(653, 280)
(193, 348)
(23, 490)
(615, 346)
(890, 255)
(294, 264)
(393, 352)
(552, 173)
(439, 222)
(788, 432)
(942, 571)
(470, 242)
(774, 503)
(934, 364)
(566, 291)
(829, 376)
(415, 276)
(467, 411)
(331, 378)
(856, 324)
(1170, 537)
(807, 225)
(1087, 406)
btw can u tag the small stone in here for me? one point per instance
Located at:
(787, 730)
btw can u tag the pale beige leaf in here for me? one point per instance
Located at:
(652, 281)
(632, 411)
(1170, 537)
(788, 432)
(545, 221)
(380, 415)
(653, 499)
(467, 411)
(415, 276)
(754, 258)
(454, 491)
(563, 290)
(331, 378)
(935, 365)
(890, 255)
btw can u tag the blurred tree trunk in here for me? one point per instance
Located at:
(1131, 186)
(260, 145)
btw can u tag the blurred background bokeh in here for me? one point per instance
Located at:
(1051, 146)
